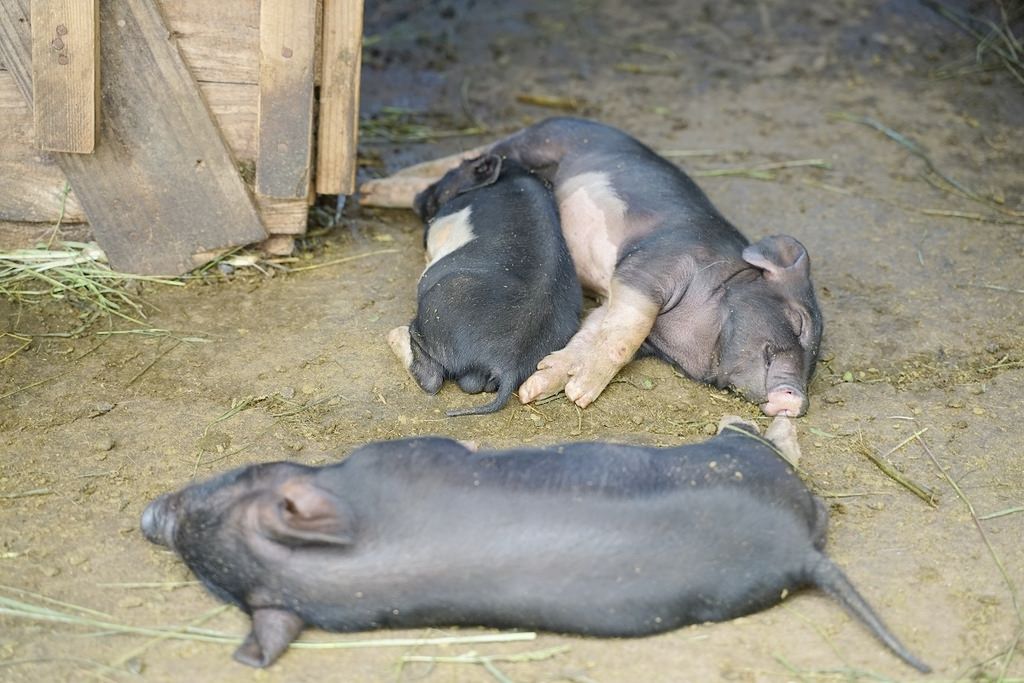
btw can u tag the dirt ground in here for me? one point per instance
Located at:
(924, 312)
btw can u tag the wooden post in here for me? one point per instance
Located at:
(338, 133)
(65, 74)
(287, 52)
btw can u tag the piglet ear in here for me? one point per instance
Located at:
(301, 513)
(425, 203)
(486, 170)
(781, 257)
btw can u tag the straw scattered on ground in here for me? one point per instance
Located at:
(933, 175)
(488, 662)
(889, 470)
(997, 42)
(77, 615)
(76, 272)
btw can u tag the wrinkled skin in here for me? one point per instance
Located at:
(591, 538)
(676, 278)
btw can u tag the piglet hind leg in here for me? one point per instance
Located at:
(628, 318)
(272, 632)
(399, 190)
(394, 192)
(427, 372)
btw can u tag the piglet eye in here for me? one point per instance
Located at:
(767, 355)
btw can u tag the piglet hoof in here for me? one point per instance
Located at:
(782, 433)
(736, 420)
(583, 393)
(540, 384)
(590, 380)
(471, 446)
(550, 378)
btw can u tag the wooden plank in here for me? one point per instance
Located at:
(234, 109)
(338, 132)
(65, 74)
(19, 235)
(35, 193)
(10, 96)
(284, 216)
(287, 41)
(219, 40)
(33, 182)
(160, 185)
(16, 44)
(33, 185)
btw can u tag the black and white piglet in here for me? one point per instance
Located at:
(676, 278)
(589, 538)
(499, 291)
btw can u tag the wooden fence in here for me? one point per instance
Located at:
(182, 127)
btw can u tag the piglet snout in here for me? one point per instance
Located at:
(158, 522)
(785, 400)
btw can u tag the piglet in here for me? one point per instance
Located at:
(676, 279)
(499, 291)
(589, 538)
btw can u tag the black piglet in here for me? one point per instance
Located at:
(499, 292)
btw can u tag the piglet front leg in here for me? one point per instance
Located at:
(628, 320)
(554, 370)
(272, 632)
(607, 341)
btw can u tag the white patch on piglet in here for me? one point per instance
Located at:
(591, 214)
(447, 234)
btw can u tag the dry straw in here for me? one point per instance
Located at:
(75, 615)
(76, 272)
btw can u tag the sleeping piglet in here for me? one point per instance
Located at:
(499, 291)
(676, 279)
(589, 538)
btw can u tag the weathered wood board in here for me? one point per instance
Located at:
(219, 40)
(338, 132)
(287, 66)
(32, 187)
(65, 74)
(33, 182)
(284, 216)
(19, 235)
(160, 185)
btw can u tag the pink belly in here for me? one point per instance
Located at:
(593, 219)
